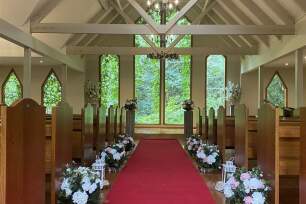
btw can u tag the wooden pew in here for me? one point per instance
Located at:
(204, 124)
(245, 137)
(198, 120)
(279, 150)
(111, 125)
(117, 121)
(22, 146)
(61, 146)
(77, 149)
(88, 154)
(123, 121)
(212, 127)
(101, 135)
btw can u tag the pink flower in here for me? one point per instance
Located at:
(248, 200)
(234, 184)
(245, 176)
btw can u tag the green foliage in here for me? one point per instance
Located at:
(147, 89)
(276, 92)
(52, 92)
(215, 81)
(12, 89)
(109, 69)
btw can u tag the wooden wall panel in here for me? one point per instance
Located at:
(88, 133)
(22, 167)
(241, 136)
(268, 147)
(221, 131)
(62, 120)
(101, 136)
(302, 178)
(212, 127)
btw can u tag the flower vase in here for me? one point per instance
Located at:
(188, 123)
(130, 122)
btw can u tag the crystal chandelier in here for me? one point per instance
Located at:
(162, 4)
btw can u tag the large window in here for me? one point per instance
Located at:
(175, 76)
(109, 73)
(215, 81)
(276, 91)
(51, 91)
(11, 89)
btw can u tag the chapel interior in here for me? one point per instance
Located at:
(141, 92)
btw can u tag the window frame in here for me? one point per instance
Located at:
(12, 71)
(205, 80)
(276, 73)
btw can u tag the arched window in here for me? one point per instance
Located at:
(215, 81)
(11, 89)
(276, 91)
(51, 91)
(109, 78)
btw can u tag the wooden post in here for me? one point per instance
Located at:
(27, 70)
(188, 123)
(101, 136)
(212, 134)
(130, 122)
(298, 79)
(22, 153)
(303, 156)
(61, 144)
(221, 131)
(88, 133)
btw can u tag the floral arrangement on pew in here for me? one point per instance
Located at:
(131, 104)
(247, 187)
(114, 155)
(80, 185)
(208, 157)
(233, 93)
(188, 105)
(127, 141)
(192, 144)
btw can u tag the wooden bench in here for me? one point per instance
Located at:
(197, 120)
(281, 153)
(212, 127)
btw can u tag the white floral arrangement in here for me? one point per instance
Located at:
(193, 143)
(114, 155)
(208, 157)
(92, 90)
(247, 187)
(131, 104)
(188, 105)
(80, 185)
(127, 141)
(233, 92)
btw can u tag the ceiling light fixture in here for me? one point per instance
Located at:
(162, 4)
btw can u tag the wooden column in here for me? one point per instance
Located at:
(64, 82)
(260, 87)
(298, 79)
(188, 123)
(27, 69)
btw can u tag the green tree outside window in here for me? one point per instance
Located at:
(215, 81)
(52, 92)
(276, 91)
(11, 89)
(109, 73)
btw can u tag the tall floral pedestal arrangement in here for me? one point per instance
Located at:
(130, 107)
(188, 106)
(233, 94)
(130, 122)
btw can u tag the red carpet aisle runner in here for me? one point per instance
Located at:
(159, 172)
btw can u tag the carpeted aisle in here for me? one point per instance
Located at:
(159, 172)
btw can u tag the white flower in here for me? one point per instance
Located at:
(201, 155)
(189, 147)
(117, 156)
(228, 191)
(92, 188)
(246, 184)
(258, 198)
(211, 159)
(113, 151)
(68, 192)
(65, 184)
(256, 184)
(215, 154)
(100, 182)
(80, 197)
(86, 183)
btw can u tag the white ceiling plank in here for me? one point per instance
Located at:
(241, 18)
(104, 4)
(301, 4)
(130, 29)
(17, 36)
(40, 13)
(94, 50)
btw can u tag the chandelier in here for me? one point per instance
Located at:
(162, 4)
(163, 55)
